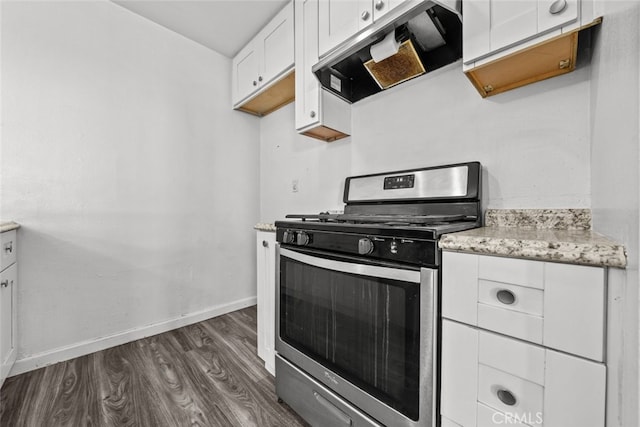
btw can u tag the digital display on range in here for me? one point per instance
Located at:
(400, 181)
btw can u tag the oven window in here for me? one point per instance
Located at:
(366, 329)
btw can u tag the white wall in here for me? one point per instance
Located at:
(135, 183)
(615, 118)
(319, 168)
(533, 143)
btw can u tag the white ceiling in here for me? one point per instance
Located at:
(222, 25)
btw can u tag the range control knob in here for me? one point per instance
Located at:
(288, 237)
(365, 246)
(393, 247)
(302, 239)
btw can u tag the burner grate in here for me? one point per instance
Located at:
(390, 220)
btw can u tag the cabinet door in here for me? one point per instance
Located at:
(245, 72)
(574, 391)
(494, 25)
(550, 18)
(340, 19)
(270, 309)
(8, 248)
(574, 306)
(512, 21)
(276, 40)
(491, 25)
(307, 86)
(382, 7)
(489, 379)
(265, 270)
(8, 283)
(459, 385)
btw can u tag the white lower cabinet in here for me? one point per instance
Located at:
(490, 380)
(561, 306)
(8, 303)
(522, 342)
(266, 293)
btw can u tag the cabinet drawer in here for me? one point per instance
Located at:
(511, 270)
(561, 306)
(489, 417)
(514, 357)
(511, 297)
(512, 323)
(9, 248)
(508, 393)
(511, 309)
(545, 387)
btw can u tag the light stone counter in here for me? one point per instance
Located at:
(8, 226)
(264, 226)
(561, 235)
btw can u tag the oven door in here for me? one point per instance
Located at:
(367, 332)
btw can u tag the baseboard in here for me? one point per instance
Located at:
(83, 348)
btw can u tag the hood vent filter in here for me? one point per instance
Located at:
(397, 68)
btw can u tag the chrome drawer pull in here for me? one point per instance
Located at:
(557, 7)
(8, 248)
(506, 297)
(506, 397)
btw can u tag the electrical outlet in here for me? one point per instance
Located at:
(294, 186)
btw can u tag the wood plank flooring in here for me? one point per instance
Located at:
(206, 374)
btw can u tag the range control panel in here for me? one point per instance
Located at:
(388, 248)
(396, 182)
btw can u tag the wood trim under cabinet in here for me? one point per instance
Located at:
(276, 96)
(325, 133)
(548, 59)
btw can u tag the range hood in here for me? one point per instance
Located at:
(426, 35)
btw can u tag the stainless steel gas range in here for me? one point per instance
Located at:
(357, 328)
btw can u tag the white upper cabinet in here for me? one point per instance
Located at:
(307, 86)
(493, 25)
(341, 19)
(512, 43)
(267, 58)
(277, 45)
(246, 71)
(381, 7)
(319, 114)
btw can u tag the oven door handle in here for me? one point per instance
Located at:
(354, 268)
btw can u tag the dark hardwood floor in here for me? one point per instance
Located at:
(206, 374)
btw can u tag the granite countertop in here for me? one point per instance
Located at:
(553, 237)
(8, 226)
(265, 226)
